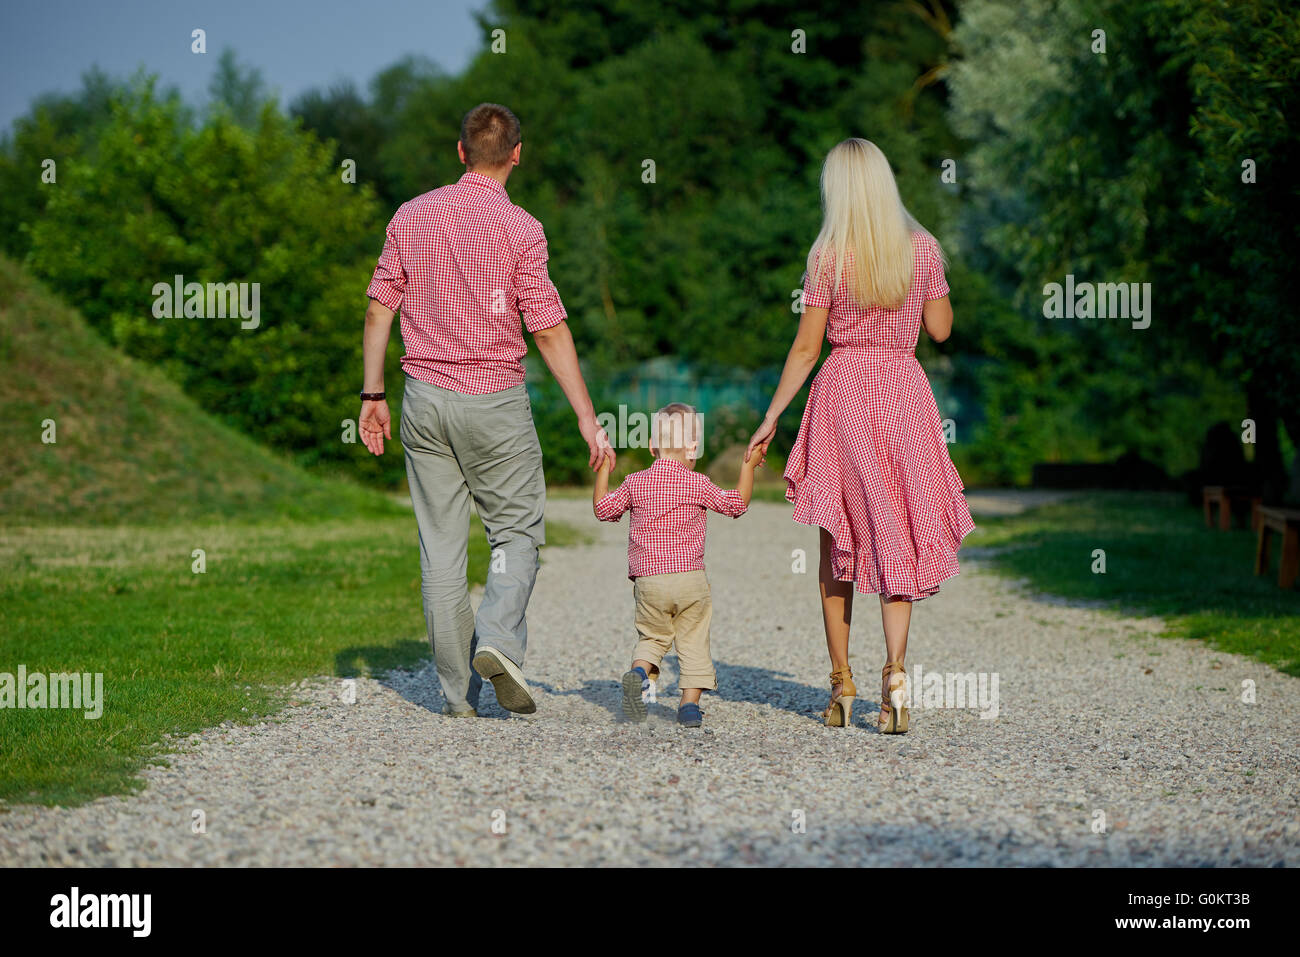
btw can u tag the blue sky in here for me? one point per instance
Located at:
(46, 45)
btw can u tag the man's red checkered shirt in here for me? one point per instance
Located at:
(668, 502)
(462, 262)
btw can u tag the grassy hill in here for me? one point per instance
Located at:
(198, 572)
(130, 446)
(99, 532)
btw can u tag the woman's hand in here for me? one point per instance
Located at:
(761, 439)
(799, 362)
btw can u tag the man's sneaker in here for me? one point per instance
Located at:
(635, 688)
(507, 679)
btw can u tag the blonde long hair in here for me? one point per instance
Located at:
(864, 216)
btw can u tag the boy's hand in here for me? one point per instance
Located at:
(602, 481)
(745, 484)
(760, 440)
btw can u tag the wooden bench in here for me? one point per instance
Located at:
(1224, 496)
(1285, 521)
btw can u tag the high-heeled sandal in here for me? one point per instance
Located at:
(893, 713)
(840, 712)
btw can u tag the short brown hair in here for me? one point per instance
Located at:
(488, 133)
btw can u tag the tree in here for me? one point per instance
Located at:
(1243, 73)
(218, 203)
(1084, 164)
(59, 128)
(239, 91)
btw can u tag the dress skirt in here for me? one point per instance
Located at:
(871, 467)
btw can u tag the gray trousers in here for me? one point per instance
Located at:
(483, 447)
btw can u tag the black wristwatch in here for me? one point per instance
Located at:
(373, 396)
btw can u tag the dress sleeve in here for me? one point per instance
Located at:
(936, 285)
(818, 296)
(612, 506)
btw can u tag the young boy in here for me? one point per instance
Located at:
(665, 557)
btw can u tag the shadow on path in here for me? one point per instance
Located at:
(608, 694)
(418, 683)
(746, 683)
(761, 686)
(777, 690)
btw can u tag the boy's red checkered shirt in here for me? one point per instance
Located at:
(668, 502)
(461, 263)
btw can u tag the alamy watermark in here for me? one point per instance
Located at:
(935, 689)
(1103, 300)
(75, 909)
(78, 691)
(215, 300)
(643, 430)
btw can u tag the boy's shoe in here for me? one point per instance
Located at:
(468, 713)
(690, 716)
(635, 687)
(507, 679)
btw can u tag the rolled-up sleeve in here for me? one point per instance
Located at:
(724, 501)
(612, 506)
(388, 284)
(538, 299)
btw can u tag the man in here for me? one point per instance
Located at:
(462, 263)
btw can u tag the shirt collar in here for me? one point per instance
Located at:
(487, 182)
(666, 462)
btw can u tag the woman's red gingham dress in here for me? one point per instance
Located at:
(870, 464)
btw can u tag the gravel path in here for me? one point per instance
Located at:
(1100, 723)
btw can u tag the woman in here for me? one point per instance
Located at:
(870, 465)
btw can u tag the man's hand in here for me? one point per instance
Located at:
(597, 443)
(375, 424)
(555, 343)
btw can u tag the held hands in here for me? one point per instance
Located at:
(375, 425)
(597, 443)
(761, 439)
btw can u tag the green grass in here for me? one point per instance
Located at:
(1160, 560)
(304, 575)
(181, 651)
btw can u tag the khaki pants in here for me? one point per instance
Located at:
(676, 608)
